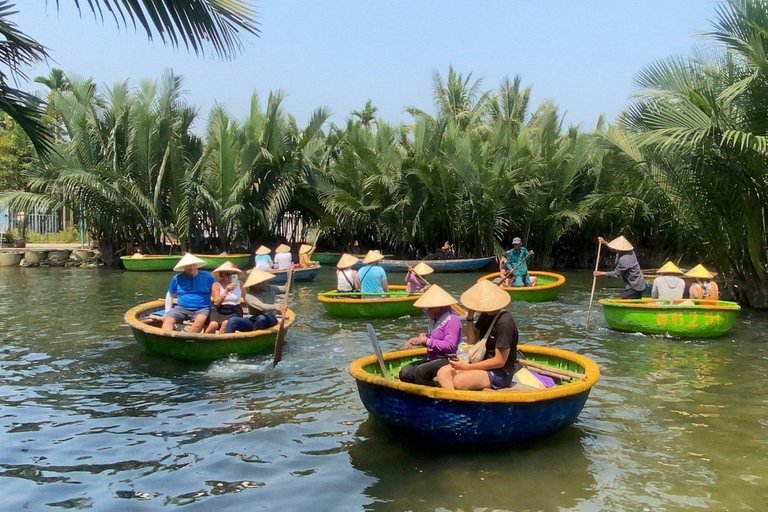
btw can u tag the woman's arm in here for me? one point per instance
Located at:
(216, 295)
(473, 334)
(385, 285)
(498, 360)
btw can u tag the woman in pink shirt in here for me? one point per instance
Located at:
(414, 279)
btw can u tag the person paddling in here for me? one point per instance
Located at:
(414, 279)
(261, 299)
(514, 269)
(627, 267)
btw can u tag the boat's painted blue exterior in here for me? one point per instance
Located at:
(299, 274)
(439, 266)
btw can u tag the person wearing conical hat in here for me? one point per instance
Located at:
(283, 258)
(225, 297)
(441, 339)
(192, 288)
(261, 299)
(263, 259)
(372, 278)
(414, 279)
(513, 266)
(627, 267)
(704, 287)
(305, 256)
(345, 274)
(668, 284)
(497, 326)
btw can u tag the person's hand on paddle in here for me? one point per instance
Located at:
(602, 240)
(531, 253)
(597, 273)
(282, 308)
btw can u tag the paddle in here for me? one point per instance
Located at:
(377, 350)
(553, 372)
(514, 268)
(594, 282)
(278, 354)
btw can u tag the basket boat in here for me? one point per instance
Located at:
(326, 258)
(150, 263)
(299, 274)
(397, 302)
(547, 287)
(439, 266)
(212, 261)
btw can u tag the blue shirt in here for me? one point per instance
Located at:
(514, 257)
(263, 262)
(193, 292)
(372, 279)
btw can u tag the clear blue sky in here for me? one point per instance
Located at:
(582, 55)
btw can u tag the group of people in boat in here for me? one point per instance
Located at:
(668, 283)
(283, 259)
(371, 280)
(214, 298)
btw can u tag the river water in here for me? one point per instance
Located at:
(89, 421)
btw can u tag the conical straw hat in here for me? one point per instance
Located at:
(257, 276)
(261, 251)
(423, 269)
(187, 260)
(699, 272)
(485, 296)
(435, 297)
(620, 244)
(304, 249)
(373, 257)
(282, 248)
(346, 261)
(227, 266)
(669, 268)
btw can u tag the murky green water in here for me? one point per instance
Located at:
(88, 421)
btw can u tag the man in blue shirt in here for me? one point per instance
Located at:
(515, 260)
(193, 289)
(372, 278)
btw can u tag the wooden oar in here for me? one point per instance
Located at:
(594, 282)
(278, 354)
(377, 350)
(513, 269)
(553, 372)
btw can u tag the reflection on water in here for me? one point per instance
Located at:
(89, 421)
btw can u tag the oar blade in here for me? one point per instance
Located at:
(377, 350)
(277, 356)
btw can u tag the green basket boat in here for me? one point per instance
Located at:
(548, 285)
(212, 261)
(326, 258)
(196, 346)
(397, 302)
(150, 262)
(684, 318)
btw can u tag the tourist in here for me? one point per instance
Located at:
(283, 258)
(668, 284)
(514, 269)
(447, 250)
(263, 259)
(305, 255)
(260, 298)
(497, 327)
(372, 278)
(704, 287)
(414, 279)
(192, 288)
(346, 276)
(225, 296)
(627, 267)
(441, 339)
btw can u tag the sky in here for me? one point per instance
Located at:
(581, 55)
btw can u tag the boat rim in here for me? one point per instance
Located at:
(441, 261)
(322, 297)
(559, 280)
(591, 371)
(219, 256)
(295, 270)
(152, 257)
(648, 303)
(131, 318)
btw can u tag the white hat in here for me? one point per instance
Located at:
(620, 244)
(188, 260)
(261, 251)
(435, 297)
(346, 261)
(227, 266)
(282, 248)
(305, 248)
(373, 257)
(257, 276)
(485, 297)
(423, 269)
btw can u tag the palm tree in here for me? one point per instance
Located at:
(367, 115)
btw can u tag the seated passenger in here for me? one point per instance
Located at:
(261, 300)
(414, 279)
(305, 256)
(225, 296)
(497, 326)
(704, 287)
(263, 258)
(372, 278)
(669, 284)
(345, 274)
(441, 339)
(514, 269)
(192, 287)
(447, 250)
(283, 258)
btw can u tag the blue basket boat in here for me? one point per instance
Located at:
(299, 274)
(474, 418)
(439, 266)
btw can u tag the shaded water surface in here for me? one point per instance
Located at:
(89, 421)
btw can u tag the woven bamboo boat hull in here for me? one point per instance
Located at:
(398, 303)
(213, 261)
(473, 418)
(150, 263)
(548, 286)
(299, 275)
(703, 319)
(197, 347)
